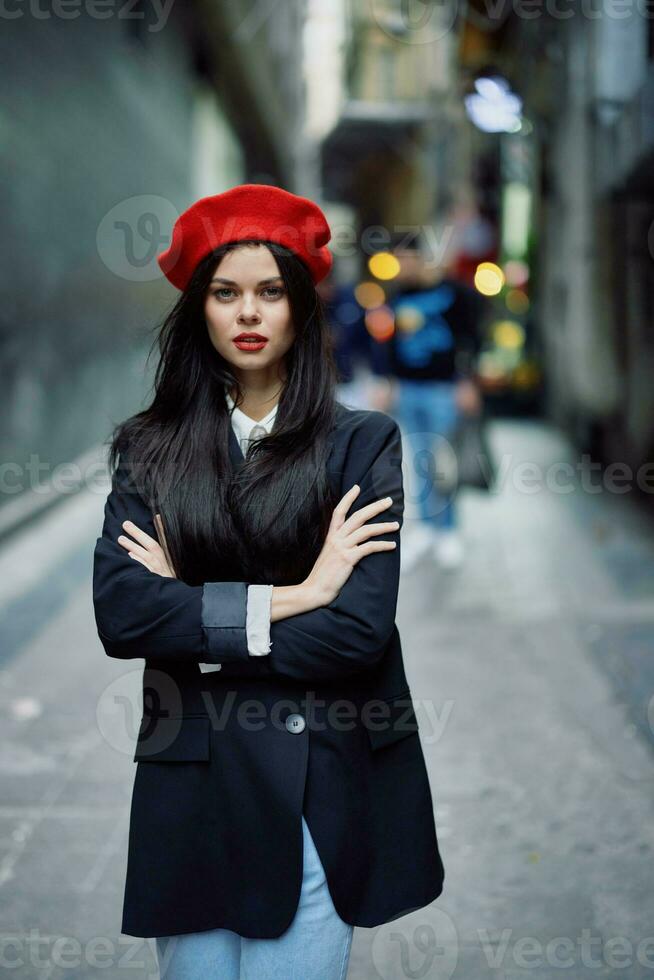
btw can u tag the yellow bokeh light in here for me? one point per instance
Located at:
(517, 301)
(383, 265)
(489, 278)
(508, 334)
(380, 323)
(409, 318)
(369, 295)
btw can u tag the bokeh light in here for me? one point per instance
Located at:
(409, 318)
(383, 265)
(489, 278)
(369, 295)
(517, 301)
(380, 323)
(516, 272)
(508, 334)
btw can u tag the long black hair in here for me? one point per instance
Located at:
(264, 520)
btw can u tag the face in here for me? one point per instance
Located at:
(248, 295)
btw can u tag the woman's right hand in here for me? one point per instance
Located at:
(346, 544)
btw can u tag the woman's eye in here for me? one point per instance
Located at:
(226, 292)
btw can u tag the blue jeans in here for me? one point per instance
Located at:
(316, 945)
(428, 413)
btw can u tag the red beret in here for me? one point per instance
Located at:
(247, 211)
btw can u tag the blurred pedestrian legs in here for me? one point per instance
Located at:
(427, 412)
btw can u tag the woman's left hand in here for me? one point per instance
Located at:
(145, 549)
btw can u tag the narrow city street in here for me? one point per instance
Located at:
(532, 673)
(440, 211)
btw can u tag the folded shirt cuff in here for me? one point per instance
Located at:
(258, 619)
(216, 619)
(224, 621)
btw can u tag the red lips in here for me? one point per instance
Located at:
(251, 342)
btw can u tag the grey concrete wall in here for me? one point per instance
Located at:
(99, 112)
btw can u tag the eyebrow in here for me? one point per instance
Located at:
(230, 282)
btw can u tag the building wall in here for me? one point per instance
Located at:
(579, 365)
(97, 115)
(257, 54)
(596, 319)
(113, 126)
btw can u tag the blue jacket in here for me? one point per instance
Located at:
(436, 336)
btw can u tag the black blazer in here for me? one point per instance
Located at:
(227, 761)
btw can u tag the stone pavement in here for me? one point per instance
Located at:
(531, 670)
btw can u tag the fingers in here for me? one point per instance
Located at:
(365, 513)
(370, 546)
(148, 550)
(158, 523)
(347, 525)
(134, 549)
(149, 553)
(162, 537)
(346, 501)
(143, 538)
(368, 530)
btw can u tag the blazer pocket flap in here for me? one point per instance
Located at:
(392, 722)
(173, 739)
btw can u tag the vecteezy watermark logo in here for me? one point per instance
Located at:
(43, 953)
(414, 21)
(133, 233)
(419, 945)
(121, 706)
(587, 950)
(155, 14)
(431, 473)
(152, 716)
(44, 478)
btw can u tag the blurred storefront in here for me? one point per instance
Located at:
(586, 79)
(394, 153)
(405, 154)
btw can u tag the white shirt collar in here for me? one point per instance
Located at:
(243, 425)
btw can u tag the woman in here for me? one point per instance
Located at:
(281, 795)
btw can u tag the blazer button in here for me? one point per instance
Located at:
(295, 724)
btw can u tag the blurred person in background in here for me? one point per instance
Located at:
(425, 374)
(346, 319)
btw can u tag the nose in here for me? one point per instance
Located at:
(249, 312)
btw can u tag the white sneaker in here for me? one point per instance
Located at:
(414, 546)
(448, 550)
